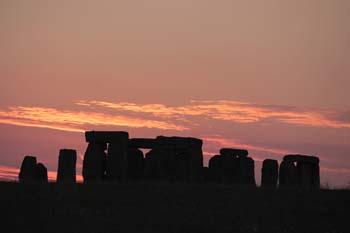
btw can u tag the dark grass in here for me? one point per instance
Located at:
(170, 208)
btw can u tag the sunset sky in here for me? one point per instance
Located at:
(269, 76)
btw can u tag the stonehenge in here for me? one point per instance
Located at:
(111, 156)
(299, 170)
(169, 158)
(99, 165)
(232, 166)
(175, 159)
(32, 172)
(66, 172)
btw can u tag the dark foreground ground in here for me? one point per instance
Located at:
(170, 208)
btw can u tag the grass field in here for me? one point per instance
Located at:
(170, 208)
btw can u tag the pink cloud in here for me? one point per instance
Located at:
(76, 121)
(239, 112)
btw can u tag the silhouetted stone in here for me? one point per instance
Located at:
(230, 169)
(179, 158)
(234, 152)
(145, 143)
(215, 168)
(205, 175)
(114, 165)
(67, 166)
(301, 158)
(269, 173)
(287, 174)
(41, 173)
(151, 166)
(231, 166)
(306, 171)
(117, 160)
(28, 171)
(182, 166)
(94, 163)
(105, 136)
(247, 173)
(179, 142)
(135, 163)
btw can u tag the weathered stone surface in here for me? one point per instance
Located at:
(135, 163)
(234, 152)
(246, 171)
(106, 136)
(28, 171)
(41, 173)
(269, 173)
(145, 143)
(67, 166)
(94, 163)
(117, 160)
(301, 158)
(287, 174)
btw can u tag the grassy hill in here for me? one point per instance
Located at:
(146, 207)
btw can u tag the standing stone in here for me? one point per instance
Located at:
(150, 165)
(67, 166)
(246, 168)
(117, 160)
(195, 156)
(41, 173)
(28, 172)
(205, 175)
(215, 168)
(166, 163)
(182, 166)
(288, 174)
(304, 171)
(180, 158)
(94, 164)
(269, 173)
(135, 163)
(315, 175)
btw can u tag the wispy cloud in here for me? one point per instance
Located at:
(160, 116)
(77, 121)
(240, 112)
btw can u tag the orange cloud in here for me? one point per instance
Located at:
(164, 117)
(240, 112)
(76, 121)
